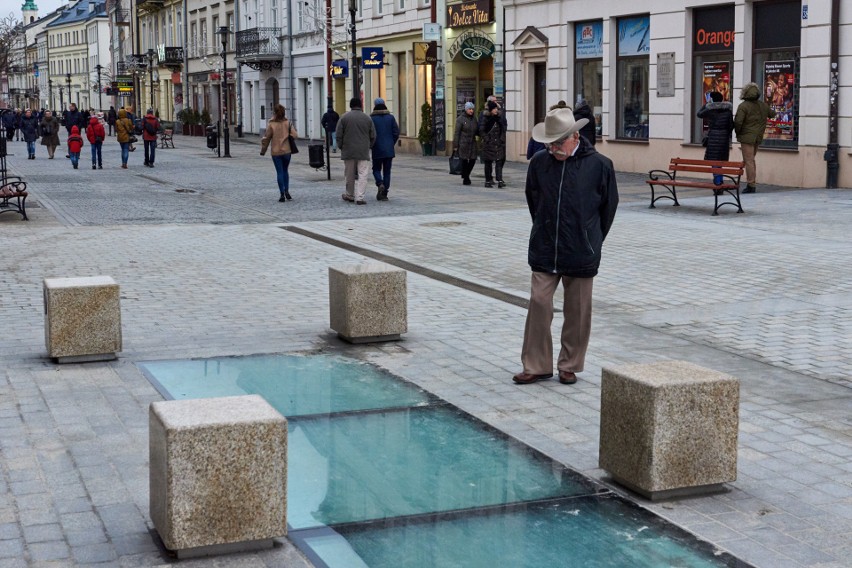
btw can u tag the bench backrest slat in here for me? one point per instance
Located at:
(706, 166)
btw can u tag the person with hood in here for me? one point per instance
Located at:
(492, 131)
(750, 124)
(29, 132)
(583, 110)
(10, 121)
(387, 133)
(112, 116)
(356, 134)
(464, 138)
(572, 196)
(50, 133)
(132, 118)
(96, 134)
(123, 132)
(75, 146)
(329, 123)
(279, 130)
(150, 128)
(719, 115)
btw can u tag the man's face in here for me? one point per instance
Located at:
(563, 148)
(469, 111)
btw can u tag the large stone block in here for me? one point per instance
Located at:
(82, 319)
(669, 428)
(368, 301)
(218, 474)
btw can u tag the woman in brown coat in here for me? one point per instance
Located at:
(123, 132)
(278, 132)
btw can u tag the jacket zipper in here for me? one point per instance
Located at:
(558, 211)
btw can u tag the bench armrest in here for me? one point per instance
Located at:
(657, 174)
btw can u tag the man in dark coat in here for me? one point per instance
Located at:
(572, 196)
(112, 116)
(583, 110)
(72, 118)
(387, 133)
(329, 123)
(492, 131)
(10, 123)
(465, 140)
(30, 132)
(356, 134)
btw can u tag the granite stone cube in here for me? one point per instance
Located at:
(669, 428)
(82, 319)
(368, 302)
(218, 474)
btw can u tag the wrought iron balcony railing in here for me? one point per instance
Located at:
(260, 48)
(122, 16)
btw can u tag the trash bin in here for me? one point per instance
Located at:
(212, 137)
(316, 157)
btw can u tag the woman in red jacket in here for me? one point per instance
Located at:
(75, 144)
(96, 134)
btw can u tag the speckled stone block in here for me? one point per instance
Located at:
(218, 474)
(82, 319)
(669, 428)
(368, 302)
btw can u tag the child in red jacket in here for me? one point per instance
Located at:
(75, 144)
(96, 134)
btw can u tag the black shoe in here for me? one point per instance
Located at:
(151, 165)
(750, 189)
(282, 199)
(380, 190)
(383, 196)
(145, 164)
(94, 167)
(466, 182)
(489, 184)
(100, 166)
(501, 183)
(288, 196)
(75, 166)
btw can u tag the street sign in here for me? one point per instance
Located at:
(431, 32)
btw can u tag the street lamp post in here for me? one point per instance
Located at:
(356, 86)
(99, 68)
(223, 36)
(50, 93)
(61, 99)
(151, 74)
(68, 81)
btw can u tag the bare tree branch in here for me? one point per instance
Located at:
(10, 32)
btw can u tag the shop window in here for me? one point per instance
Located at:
(633, 77)
(713, 64)
(588, 68)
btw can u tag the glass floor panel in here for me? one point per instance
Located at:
(381, 473)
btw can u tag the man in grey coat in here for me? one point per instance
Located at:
(356, 134)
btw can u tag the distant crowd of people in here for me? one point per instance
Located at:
(30, 126)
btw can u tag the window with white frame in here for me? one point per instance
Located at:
(229, 18)
(204, 36)
(300, 16)
(179, 29)
(193, 39)
(378, 7)
(273, 12)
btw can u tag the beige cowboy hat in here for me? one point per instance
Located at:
(558, 123)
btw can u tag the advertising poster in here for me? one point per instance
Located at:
(717, 77)
(465, 92)
(589, 40)
(779, 81)
(634, 36)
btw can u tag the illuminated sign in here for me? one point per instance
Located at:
(472, 13)
(372, 57)
(339, 69)
(123, 85)
(425, 52)
(472, 44)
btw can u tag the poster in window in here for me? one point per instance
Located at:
(779, 81)
(465, 92)
(717, 77)
(634, 36)
(589, 40)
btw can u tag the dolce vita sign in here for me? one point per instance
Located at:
(476, 12)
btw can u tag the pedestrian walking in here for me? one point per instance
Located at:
(29, 132)
(279, 130)
(719, 115)
(96, 134)
(85, 115)
(123, 132)
(10, 123)
(356, 135)
(72, 118)
(75, 146)
(583, 110)
(150, 128)
(464, 139)
(112, 116)
(750, 124)
(50, 133)
(329, 123)
(492, 131)
(387, 133)
(572, 196)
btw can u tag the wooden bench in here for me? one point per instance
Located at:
(166, 138)
(13, 196)
(731, 173)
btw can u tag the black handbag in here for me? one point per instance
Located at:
(455, 164)
(293, 148)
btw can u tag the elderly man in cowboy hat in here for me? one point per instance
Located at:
(572, 196)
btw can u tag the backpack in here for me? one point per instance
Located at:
(149, 127)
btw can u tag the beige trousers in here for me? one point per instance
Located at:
(537, 352)
(749, 151)
(356, 177)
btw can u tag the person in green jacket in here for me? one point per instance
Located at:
(750, 124)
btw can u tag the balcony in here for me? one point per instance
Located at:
(121, 17)
(149, 6)
(260, 48)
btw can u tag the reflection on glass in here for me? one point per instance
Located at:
(633, 97)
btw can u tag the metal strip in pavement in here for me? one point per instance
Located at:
(415, 268)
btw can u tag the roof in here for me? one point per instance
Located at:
(79, 12)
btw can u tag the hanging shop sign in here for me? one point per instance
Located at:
(779, 85)
(425, 52)
(372, 57)
(589, 40)
(123, 86)
(473, 45)
(474, 13)
(339, 69)
(634, 36)
(169, 55)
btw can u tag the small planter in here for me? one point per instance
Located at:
(197, 130)
(427, 149)
(186, 129)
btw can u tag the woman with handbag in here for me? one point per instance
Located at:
(124, 135)
(280, 138)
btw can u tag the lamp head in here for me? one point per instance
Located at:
(223, 34)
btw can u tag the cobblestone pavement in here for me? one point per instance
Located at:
(227, 270)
